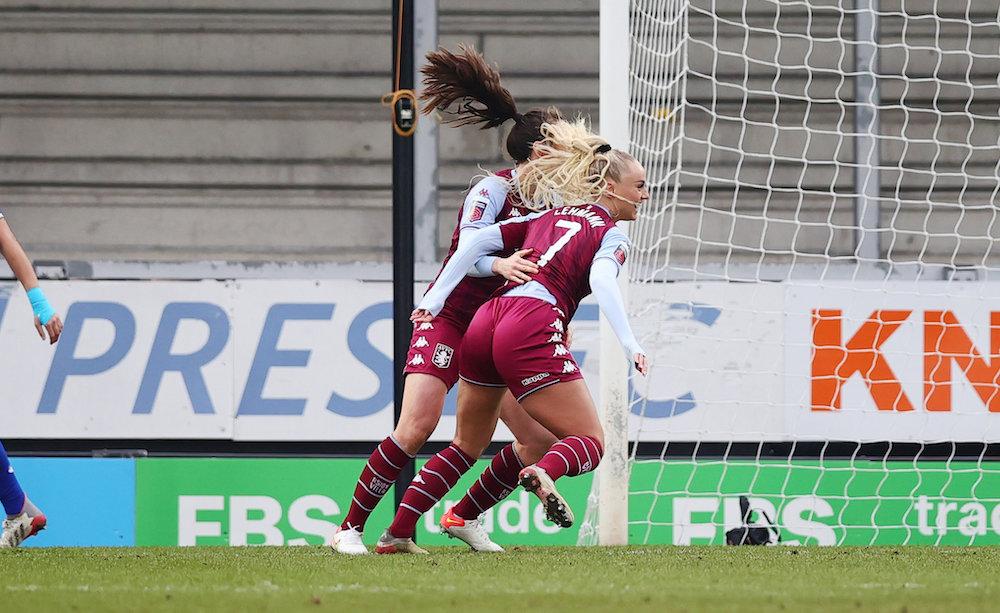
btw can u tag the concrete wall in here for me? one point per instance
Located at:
(242, 129)
(252, 129)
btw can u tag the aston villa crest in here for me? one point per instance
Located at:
(442, 355)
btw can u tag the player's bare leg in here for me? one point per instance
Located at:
(478, 410)
(532, 441)
(567, 410)
(423, 402)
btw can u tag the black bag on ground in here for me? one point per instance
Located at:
(752, 534)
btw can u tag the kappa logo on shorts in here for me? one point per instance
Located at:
(557, 324)
(417, 360)
(442, 355)
(560, 350)
(569, 366)
(534, 379)
(556, 338)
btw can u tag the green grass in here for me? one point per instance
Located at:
(550, 579)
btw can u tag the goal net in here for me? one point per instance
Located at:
(816, 277)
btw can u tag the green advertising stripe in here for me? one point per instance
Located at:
(299, 501)
(236, 501)
(830, 502)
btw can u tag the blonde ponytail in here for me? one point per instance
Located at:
(573, 168)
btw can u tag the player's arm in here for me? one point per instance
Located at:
(604, 283)
(46, 319)
(481, 208)
(476, 245)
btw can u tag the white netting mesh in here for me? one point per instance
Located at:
(816, 276)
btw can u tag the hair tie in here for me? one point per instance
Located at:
(603, 148)
(518, 118)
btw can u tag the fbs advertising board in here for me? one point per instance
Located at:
(298, 502)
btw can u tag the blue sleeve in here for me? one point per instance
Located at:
(484, 202)
(474, 247)
(604, 284)
(484, 265)
(481, 208)
(614, 247)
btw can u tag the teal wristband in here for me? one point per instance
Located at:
(40, 305)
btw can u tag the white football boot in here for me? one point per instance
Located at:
(348, 542)
(470, 531)
(538, 482)
(388, 543)
(16, 529)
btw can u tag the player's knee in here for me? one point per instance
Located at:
(598, 437)
(473, 447)
(412, 434)
(532, 450)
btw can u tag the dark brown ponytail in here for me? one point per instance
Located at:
(468, 91)
(466, 79)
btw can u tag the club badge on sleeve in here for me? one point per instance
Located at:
(620, 254)
(481, 203)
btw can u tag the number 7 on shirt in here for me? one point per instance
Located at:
(572, 227)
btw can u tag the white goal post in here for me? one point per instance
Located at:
(611, 480)
(816, 277)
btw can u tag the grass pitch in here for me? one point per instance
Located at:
(550, 579)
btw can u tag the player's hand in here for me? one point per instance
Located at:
(421, 316)
(54, 329)
(641, 365)
(569, 337)
(515, 268)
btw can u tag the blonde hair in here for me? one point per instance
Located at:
(573, 167)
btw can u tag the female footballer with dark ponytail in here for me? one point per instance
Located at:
(516, 340)
(467, 91)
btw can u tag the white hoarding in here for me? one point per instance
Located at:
(302, 360)
(136, 360)
(242, 360)
(716, 361)
(906, 361)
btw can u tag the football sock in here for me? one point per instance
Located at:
(384, 465)
(572, 456)
(496, 483)
(30, 508)
(434, 480)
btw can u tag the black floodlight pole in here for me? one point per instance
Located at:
(404, 111)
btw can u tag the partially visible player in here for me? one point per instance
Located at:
(516, 340)
(23, 518)
(468, 89)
